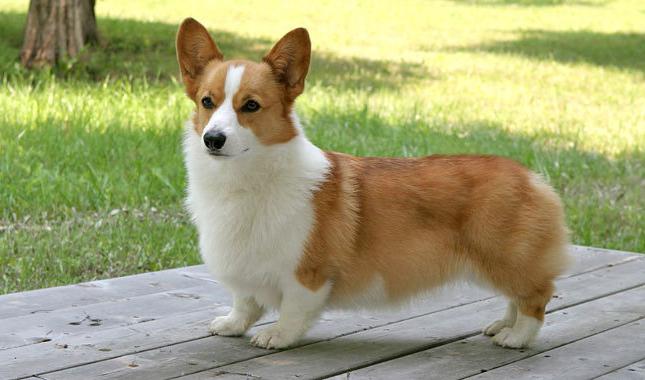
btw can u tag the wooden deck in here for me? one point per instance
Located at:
(154, 326)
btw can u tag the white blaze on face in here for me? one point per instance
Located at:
(224, 119)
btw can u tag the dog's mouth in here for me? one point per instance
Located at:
(218, 154)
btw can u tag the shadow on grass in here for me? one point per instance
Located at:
(138, 49)
(618, 50)
(534, 3)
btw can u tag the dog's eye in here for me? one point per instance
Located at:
(207, 102)
(251, 106)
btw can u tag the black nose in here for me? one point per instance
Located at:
(214, 140)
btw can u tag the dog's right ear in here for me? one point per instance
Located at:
(195, 49)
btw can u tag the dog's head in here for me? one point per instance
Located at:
(242, 105)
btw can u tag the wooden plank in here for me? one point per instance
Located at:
(38, 328)
(100, 345)
(49, 299)
(584, 359)
(635, 371)
(473, 355)
(406, 337)
(589, 258)
(363, 338)
(216, 375)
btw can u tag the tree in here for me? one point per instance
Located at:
(57, 29)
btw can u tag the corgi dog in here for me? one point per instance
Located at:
(285, 225)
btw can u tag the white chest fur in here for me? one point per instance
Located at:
(254, 213)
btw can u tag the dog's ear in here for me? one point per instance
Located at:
(289, 60)
(195, 49)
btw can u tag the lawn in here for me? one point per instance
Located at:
(91, 172)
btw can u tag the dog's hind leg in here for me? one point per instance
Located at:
(529, 320)
(507, 321)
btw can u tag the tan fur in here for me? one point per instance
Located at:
(420, 222)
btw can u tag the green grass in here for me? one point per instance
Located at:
(91, 175)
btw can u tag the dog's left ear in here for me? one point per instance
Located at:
(289, 60)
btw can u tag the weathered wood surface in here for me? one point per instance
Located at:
(584, 359)
(470, 356)
(49, 299)
(154, 325)
(371, 346)
(633, 371)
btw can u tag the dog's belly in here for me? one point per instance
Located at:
(372, 296)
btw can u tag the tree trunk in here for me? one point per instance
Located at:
(57, 29)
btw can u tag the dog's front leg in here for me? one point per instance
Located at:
(299, 308)
(245, 313)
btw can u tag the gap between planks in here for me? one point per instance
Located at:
(632, 371)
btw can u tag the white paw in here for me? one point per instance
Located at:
(512, 338)
(227, 326)
(496, 327)
(274, 337)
